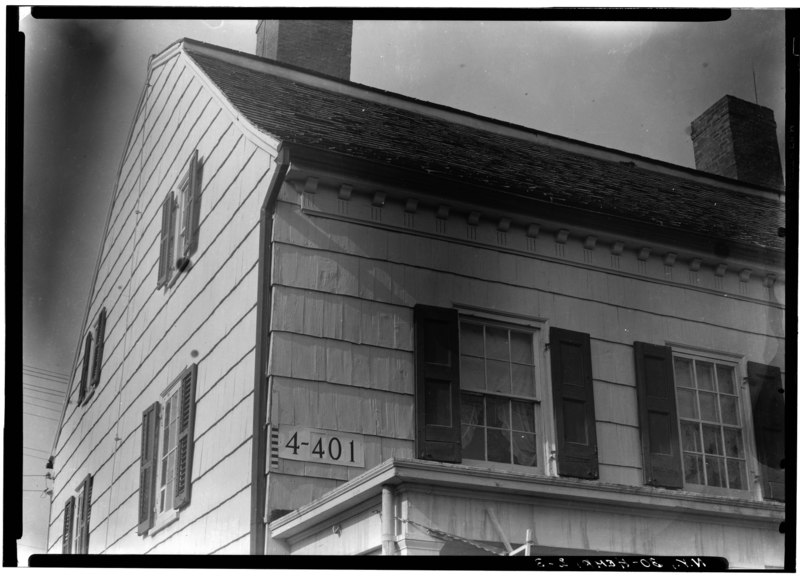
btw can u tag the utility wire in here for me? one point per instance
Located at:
(35, 449)
(37, 416)
(45, 371)
(47, 400)
(29, 374)
(39, 390)
(56, 410)
(40, 387)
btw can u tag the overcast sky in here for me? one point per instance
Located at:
(629, 86)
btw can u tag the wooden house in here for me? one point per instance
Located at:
(329, 319)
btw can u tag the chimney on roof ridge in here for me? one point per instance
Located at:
(737, 139)
(319, 45)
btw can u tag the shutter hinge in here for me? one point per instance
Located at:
(547, 346)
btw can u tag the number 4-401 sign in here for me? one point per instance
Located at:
(315, 445)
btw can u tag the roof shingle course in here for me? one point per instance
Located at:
(318, 118)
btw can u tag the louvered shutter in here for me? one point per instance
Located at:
(193, 207)
(86, 514)
(100, 333)
(573, 400)
(147, 468)
(658, 416)
(66, 535)
(183, 470)
(87, 354)
(437, 385)
(167, 240)
(769, 424)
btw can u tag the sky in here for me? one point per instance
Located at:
(630, 86)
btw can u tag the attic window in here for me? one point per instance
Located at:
(180, 224)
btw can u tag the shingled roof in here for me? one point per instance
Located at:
(337, 122)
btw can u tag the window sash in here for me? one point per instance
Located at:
(705, 436)
(508, 350)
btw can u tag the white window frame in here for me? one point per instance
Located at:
(180, 224)
(543, 402)
(166, 516)
(738, 363)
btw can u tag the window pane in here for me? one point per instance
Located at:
(733, 442)
(473, 373)
(522, 416)
(736, 474)
(437, 403)
(574, 422)
(471, 339)
(497, 343)
(712, 439)
(471, 409)
(521, 348)
(690, 435)
(708, 406)
(705, 380)
(522, 380)
(683, 372)
(725, 379)
(715, 472)
(498, 445)
(692, 469)
(473, 442)
(687, 403)
(730, 409)
(498, 375)
(524, 444)
(497, 414)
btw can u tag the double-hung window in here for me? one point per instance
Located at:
(480, 397)
(180, 224)
(499, 402)
(707, 428)
(166, 459)
(709, 410)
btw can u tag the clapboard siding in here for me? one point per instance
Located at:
(357, 534)
(209, 310)
(343, 289)
(457, 256)
(239, 546)
(343, 408)
(297, 266)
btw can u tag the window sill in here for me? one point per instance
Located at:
(164, 521)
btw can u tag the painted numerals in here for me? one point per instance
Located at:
(314, 445)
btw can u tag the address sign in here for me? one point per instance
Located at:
(325, 446)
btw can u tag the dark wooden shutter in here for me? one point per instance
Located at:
(183, 470)
(66, 535)
(85, 514)
(100, 338)
(573, 401)
(167, 240)
(769, 424)
(87, 354)
(147, 468)
(658, 416)
(437, 401)
(193, 208)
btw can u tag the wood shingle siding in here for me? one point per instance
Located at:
(210, 308)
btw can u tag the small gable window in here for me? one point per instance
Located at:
(166, 460)
(180, 224)
(92, 366)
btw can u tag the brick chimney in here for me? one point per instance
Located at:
(319, 45)
(737, 139)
